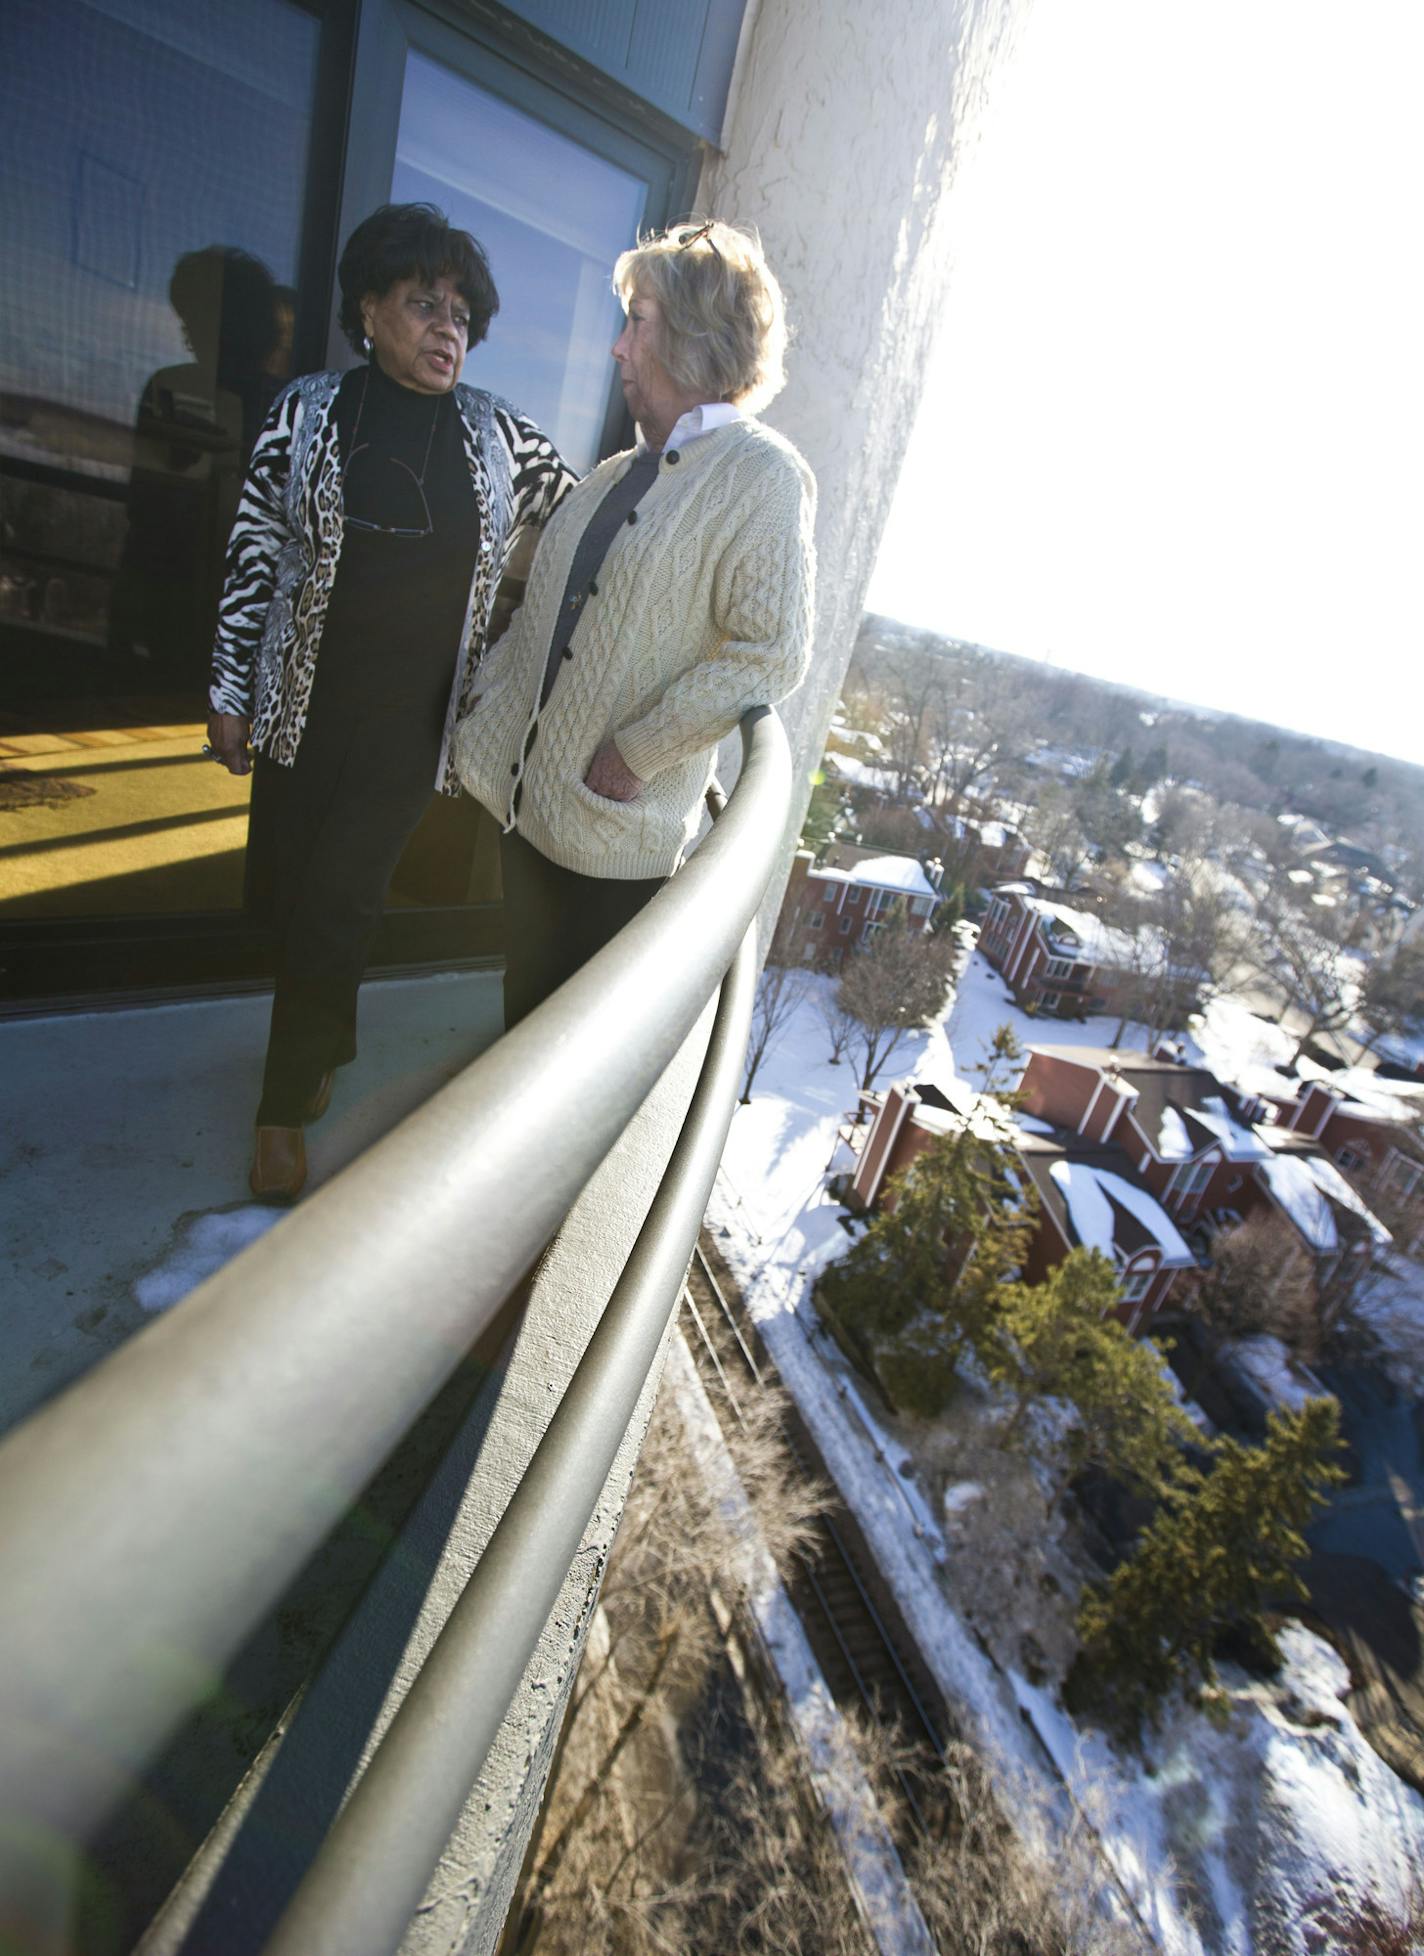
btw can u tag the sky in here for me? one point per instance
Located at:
(1172, 432)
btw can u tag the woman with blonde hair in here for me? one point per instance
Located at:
(670, 592)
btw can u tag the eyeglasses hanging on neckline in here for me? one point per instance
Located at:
(358, 449)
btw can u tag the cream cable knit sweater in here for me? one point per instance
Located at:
(702, 608)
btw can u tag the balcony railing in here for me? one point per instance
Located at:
(133, 1570)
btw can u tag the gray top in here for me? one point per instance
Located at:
(618, 507)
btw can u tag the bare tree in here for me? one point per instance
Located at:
(839, 1022)
(890, 989)
(780, 990)
(639, 1855)
(1305, 953)
(1392, 994)
(1260, 1280)
(1056, 832)
(1183, 941)
(618, 1869)
(978, 723)
(913, 680)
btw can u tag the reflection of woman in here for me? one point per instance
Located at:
(671, 592)
(196, 426)
(374, 524)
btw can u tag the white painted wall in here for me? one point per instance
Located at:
(845, 126)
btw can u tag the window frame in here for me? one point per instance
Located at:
(532, 74)
(355, 121)
(1134, 1284)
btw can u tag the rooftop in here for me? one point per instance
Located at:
(846, 862)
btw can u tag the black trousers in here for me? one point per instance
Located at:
(325, 837)
(555, 920)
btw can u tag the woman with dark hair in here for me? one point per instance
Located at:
(378, 513)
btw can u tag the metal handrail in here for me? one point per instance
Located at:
(154, 1513)
(372, 1870)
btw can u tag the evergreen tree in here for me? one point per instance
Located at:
(823, 814)
(1059, 1340)
(1224, 1545)
(925, 1278)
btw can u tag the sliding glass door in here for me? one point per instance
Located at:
(180, 174)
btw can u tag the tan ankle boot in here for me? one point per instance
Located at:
(279, 1164)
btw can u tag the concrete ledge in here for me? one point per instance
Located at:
(253, 1860)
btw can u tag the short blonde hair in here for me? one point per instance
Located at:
(724, 320)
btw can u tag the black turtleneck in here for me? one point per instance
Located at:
(397, 609)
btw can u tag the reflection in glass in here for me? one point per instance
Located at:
(155, 157)
(553, 217)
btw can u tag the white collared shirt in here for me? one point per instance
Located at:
(703, 419)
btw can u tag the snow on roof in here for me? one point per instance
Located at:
(1240, 1143)
(981, 1113)
(1367, 1096)
(1099, 941)
(900, 873)
(1332, 1183)
(894, 873)
(1241, 1049)
(851, 768)
(1173, 1141)
(1305, 1186)
(1090, 1194)
(1297, 1191)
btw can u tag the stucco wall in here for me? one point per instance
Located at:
(843, 133)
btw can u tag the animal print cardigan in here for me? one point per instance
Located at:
(286, 545)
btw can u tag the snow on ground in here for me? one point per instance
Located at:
(1237, 1826)
(202, 1244)
(983, 1003)
(1274, 1810)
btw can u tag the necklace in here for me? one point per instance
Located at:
(360, 448)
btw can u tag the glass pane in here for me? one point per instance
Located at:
(553, 217)
(155, 157)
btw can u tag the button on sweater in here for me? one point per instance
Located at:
(703, 610)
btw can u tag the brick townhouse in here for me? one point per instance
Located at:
(1088, 1191)
(838, 905)
(1143, 1158)
(1063, 962)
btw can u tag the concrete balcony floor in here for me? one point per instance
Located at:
(123, 1172)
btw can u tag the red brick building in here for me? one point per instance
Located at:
(1143, 1158)
(1373, 1130)
(1066, 963)
(1212, 1156)
(837, 906)
(1088, 1190)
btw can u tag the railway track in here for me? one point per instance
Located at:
(865, 1653)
